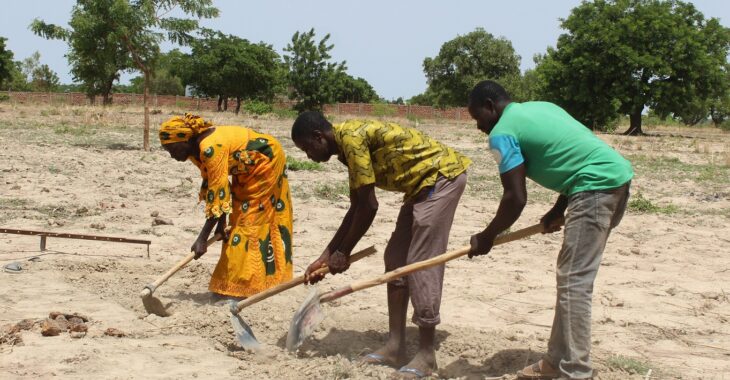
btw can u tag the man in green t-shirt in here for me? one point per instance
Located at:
(540, 141)
(432, 177)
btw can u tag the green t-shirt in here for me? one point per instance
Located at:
(558, 151)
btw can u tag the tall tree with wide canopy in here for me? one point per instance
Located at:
(620, 56)
(228, 66)
(96, 52)
(463, 62)
(143, 24)
(313, 78)
(128, 30)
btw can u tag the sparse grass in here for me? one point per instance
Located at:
(414, 119)
(12, 203)
(672, 168)
(626, 364)
(342, 371)
(333, 191)
(297, 165)
(640, 204)
(80, 130)
(284, 113)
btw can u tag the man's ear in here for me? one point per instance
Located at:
(489, 105)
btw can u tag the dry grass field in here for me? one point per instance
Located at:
(661, 301)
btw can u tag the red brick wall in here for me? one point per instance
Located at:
(194, 104)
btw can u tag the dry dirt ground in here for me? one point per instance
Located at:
(661, 300)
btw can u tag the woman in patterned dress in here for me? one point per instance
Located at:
(257, 252)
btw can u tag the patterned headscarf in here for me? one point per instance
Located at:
(179, 129)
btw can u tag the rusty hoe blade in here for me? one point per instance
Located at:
(243, 331)
(305, 320)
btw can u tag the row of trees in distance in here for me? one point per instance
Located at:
(615, 58)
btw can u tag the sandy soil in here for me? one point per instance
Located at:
(661, 302)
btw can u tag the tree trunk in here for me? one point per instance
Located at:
(238, 104)
(146, 143)
(107, 99)
(635, 125)
(220, 102)
(225, 103)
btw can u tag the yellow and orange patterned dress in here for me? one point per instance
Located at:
(258, 254)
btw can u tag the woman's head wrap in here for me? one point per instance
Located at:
(179, 129)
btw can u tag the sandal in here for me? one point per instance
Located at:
(13, 267)
(537, 371)
(377, 359)
(410, 373)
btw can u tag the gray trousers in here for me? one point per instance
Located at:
(422, 232)
(589, 219)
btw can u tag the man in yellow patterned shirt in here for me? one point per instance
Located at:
(432, 177)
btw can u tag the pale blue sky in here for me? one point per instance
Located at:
(384, 42)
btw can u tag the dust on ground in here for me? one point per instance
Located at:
(661, 299)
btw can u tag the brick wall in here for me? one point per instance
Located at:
(196, 104)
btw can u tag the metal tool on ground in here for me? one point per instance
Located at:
(46, 234)
(152, 304)
(310, 313)
(243, 331)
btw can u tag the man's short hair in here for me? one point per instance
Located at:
(487, 89)
(308, 122)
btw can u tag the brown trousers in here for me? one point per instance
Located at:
(422, 232)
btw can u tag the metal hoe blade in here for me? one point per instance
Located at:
(243, 331)
(305, 320)
(153, 305)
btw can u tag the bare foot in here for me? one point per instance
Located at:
(388, 355)
(422, 365)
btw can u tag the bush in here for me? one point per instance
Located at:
(257, 107)
(4, 97)
(725, 125)
(335, 191)
(640, 204)
(295, 165)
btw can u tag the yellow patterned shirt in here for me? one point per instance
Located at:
(393, 157)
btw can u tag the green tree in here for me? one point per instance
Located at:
(44, 79)
(143, 24)
(96, 54)
(620, 56)
(17, 81)
(6, 63)
(466, 60)
(313, 79)
(162, 83)
(231, 67)
(720, 105)
(427, 98)
(355, 90)
(164, 80)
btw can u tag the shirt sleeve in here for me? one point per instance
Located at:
(506, 151)
(359, 164)
(215, 164)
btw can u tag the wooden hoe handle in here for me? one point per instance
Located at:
(408, 269)
(296, 281)
(149, 288)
